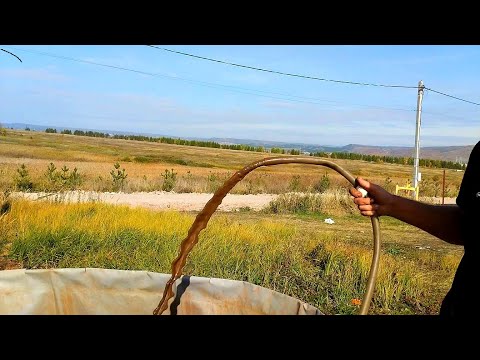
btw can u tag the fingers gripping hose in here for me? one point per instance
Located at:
(202, 219)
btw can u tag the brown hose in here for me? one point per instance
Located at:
(202, 218)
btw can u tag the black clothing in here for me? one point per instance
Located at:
(460, 301)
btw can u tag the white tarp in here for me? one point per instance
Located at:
(111, 292)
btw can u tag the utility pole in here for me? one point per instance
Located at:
(417, 137)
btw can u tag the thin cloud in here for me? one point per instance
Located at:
(280, 104)
(34, 74)
(120, 61)
(246, 78)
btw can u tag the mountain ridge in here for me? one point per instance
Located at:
(451, 153)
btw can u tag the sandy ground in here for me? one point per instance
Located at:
(168, 200)
(447, 200)
(159, 199)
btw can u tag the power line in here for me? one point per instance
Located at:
(283, 73)
(87, 62)
(451, 96)
(307, 77)
(443, 113)
(229, 86)
(12, 54)
(213, 85)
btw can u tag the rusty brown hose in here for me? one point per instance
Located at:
(372, 277)
(202, 219)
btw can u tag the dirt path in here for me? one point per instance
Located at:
(160, 199)
(168, 200)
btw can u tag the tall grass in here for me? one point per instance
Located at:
(323, 269)
(5, 222)
(332, 202)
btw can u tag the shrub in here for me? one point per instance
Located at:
(169, 179)
(294, 183)
(22, 180)
(52, 175)
(59, 180)
(323, 184)
(388, 184)
(118, 177)
(74, 179)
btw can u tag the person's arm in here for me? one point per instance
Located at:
(442, 221)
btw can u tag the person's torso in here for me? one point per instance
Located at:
(460, 301)
(469, 201)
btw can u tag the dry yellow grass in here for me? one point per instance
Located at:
(297, 255)
(199, 169)
(325, 265)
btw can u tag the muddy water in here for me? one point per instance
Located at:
(202, 218)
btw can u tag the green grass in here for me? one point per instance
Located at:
(324, 265)
(288, 248)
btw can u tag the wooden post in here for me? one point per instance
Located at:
(443, 188)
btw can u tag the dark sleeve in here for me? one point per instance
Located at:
(469, 193)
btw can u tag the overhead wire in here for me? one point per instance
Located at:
(253, 92)
(307, 100)
(281, 72)
(8, 52)
(307, 76)
(451, 96)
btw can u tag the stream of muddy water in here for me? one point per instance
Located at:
(203, 217)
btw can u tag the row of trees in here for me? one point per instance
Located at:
(429, 163)
(175, 141)
(404, 160)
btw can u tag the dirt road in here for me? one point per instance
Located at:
(159, 199)
(167, 200)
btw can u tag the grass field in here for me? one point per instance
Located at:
(197, 169)
(299, 255)
(287, 247)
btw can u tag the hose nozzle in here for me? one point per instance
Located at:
(363, 191)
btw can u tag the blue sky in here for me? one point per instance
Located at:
(196, 98)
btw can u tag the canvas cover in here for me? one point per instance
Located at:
(90, 291)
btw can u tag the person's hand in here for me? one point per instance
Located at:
(377, 202)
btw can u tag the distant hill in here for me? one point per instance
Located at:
(449, 153)
(280, 144)
(22, 126)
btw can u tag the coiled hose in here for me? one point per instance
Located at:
(202, 219)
